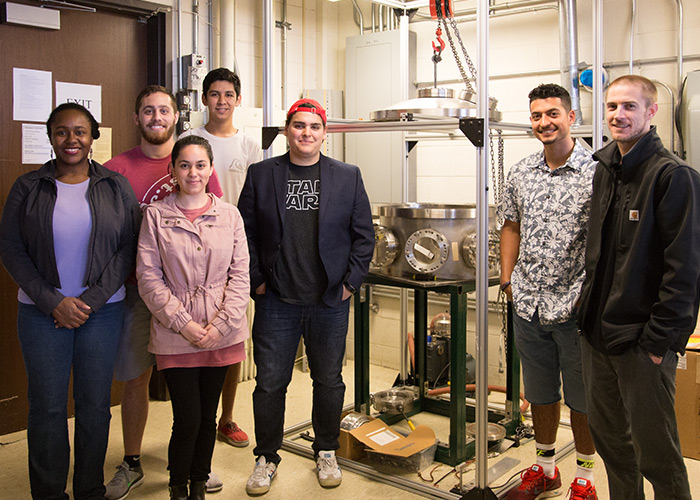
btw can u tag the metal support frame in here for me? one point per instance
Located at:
(482, 239)
(457, 450)
(362, 350)
(268, 29)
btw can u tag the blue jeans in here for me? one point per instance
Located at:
(277, 329)
(49, 356)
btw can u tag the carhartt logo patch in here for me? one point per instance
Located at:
(634, 215)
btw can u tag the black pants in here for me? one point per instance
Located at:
(194, 394)
(633, 422)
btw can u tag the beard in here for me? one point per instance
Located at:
(157, 138)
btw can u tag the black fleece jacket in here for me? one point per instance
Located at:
(650, 285)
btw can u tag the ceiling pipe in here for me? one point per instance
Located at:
(357, 12)
(568, 54)
(680, 42)
(195, 26)
(181, 81)
(227, 58)
(210, 33)
(673, 111)
(633, 23)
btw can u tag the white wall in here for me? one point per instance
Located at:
(523, 43)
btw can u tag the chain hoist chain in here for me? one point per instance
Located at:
(441, 18)
(499, 195)
(504, 326)
(492, 160)
(501, 167)
(497, 181)
(463, 73)
(472, 68)
(497, 177)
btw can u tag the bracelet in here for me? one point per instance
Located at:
(505, 285)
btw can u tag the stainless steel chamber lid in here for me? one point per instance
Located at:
(431, 211)
(435, 103)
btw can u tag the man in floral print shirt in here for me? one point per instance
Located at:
(545, 207)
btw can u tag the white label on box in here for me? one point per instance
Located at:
(383, 436)
(682, 362)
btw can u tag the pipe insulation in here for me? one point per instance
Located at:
(228, 32)
(568, 54)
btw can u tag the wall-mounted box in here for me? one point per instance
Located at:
(26, 15)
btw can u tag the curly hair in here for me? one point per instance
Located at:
(547, 90)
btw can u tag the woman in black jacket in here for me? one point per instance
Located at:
(69, 234)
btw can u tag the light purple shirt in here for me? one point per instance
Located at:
(72, 226)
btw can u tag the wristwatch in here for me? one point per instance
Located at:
(350, 288)
(505, 285)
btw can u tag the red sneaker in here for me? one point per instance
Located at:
(535, 485)
(232, 434)
(582, 489)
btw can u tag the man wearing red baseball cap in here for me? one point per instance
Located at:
(310, 237)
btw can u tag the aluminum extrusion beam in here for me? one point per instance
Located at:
(597, 110)
(482, 238)
(404, 80)
(336, 125)
(268, 29)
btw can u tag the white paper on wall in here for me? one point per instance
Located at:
(31, 95)
(36, 148)
(89, 96)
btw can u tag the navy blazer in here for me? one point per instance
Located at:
(345, 230)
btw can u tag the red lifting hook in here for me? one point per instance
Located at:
(439, 39)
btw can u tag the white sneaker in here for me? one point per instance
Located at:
(329, 474)
(214, 484)
(263, 474)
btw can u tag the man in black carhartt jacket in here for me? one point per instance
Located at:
(639, 302)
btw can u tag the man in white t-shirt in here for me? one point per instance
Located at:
(234, 152)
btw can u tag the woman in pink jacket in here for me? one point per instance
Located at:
(192, 270)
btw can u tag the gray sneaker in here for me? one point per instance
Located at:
(263, 474)
(214, 484)
(124, 480)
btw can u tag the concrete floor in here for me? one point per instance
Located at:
(296, 477)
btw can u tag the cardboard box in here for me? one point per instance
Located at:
(350, 447)
(387, 447)
(688, 403)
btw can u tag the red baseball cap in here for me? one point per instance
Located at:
(307, 106)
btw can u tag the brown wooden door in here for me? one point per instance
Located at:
(101, 48)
